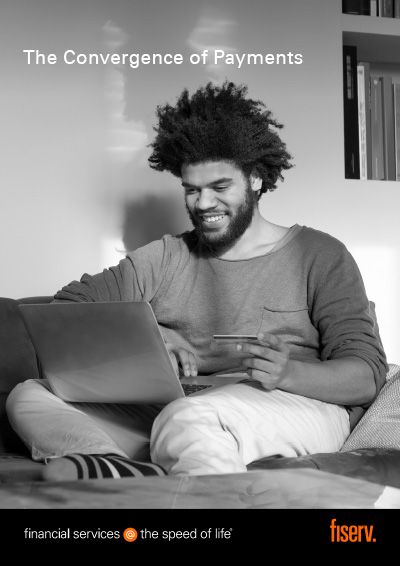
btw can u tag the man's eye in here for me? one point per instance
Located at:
(221, 187)
(190, 191)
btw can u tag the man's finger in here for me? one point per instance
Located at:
(259, 364)
(271, 340)
(187, 361)
(183, 358)
(193, 364)
(264, 352)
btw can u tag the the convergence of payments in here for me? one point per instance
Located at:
(216, 56)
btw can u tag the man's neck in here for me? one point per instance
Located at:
(260, 238)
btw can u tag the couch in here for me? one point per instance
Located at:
(372, 451)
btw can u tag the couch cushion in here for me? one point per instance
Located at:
(377, 465)
(14, 467)
(380, 426)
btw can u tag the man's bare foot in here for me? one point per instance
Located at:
(60, 469)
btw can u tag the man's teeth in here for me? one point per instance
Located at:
(213, 218)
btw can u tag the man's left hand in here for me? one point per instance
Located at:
(268, 362)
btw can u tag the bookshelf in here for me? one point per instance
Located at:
(375, 41)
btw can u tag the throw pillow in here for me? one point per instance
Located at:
(380, 426)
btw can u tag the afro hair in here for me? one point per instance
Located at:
(220, 123)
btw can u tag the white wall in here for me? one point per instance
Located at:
(75, 185)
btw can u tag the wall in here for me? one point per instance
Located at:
(75, 186)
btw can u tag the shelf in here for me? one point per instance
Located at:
(377, 184)
(377, 41)
(374, 48)
(370, 25)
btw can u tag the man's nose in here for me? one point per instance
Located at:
(206, 199)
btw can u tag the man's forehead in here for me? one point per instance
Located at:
(209, 171)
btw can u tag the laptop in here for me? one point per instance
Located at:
(108, 352)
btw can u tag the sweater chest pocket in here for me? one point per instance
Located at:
(293, 326)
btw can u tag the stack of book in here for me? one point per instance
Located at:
(371, 120)
(380, 8)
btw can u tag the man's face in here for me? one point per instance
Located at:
(219, 200)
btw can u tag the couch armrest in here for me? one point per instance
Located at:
(18, 361)
(17, 355)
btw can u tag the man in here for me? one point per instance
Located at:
(317, 356)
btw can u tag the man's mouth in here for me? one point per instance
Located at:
(212, 219)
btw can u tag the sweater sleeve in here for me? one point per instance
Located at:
(341, 312)
(137, 277)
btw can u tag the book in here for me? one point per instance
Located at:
(350, 103)
(385, 8)
(396, 105)
(373, 8)
(377, 148)
(396, 9)
(359, 7)
(364, 120)
(388, 129)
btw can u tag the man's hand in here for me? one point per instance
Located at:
(185, 358)
(269, 360)
(345, 381)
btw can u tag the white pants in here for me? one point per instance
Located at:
(51, 427)
(217, 431)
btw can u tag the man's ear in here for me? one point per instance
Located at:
(255, 182)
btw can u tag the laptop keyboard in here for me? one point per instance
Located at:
(190, 388)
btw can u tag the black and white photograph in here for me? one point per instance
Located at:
(200, 257)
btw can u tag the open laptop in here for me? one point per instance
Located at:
(108, 352)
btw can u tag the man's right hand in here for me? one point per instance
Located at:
(184, 358)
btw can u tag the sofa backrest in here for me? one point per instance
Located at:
(18, 362)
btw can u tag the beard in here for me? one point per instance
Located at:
(239, 222)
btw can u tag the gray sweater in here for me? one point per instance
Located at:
(307, 290)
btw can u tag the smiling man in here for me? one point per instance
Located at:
(220, 202)
(222, 205)
(317, 362)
